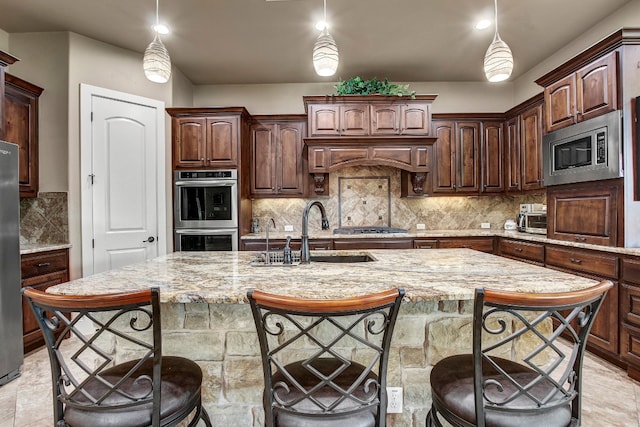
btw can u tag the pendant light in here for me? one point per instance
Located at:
(156, 61)
(325, 51)
(498, 61)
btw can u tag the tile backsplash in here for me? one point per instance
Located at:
(345, 206)
(44, 219)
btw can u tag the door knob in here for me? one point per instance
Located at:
(150, 239)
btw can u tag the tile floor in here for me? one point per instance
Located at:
(611, 399)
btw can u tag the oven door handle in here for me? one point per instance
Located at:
(205, 183)
(206, 231)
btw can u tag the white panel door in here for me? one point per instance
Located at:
(124, 143)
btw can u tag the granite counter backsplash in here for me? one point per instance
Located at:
(44, 219)
(367, 196)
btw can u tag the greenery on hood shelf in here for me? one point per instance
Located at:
(358, 86)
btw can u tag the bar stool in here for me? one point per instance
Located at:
(325, 361)
(90, 388)
(542, 388)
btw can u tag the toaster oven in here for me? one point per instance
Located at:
(533, 222)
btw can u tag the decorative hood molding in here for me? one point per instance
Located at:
(369, 130)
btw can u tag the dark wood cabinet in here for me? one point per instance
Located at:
(589, 92)
(21, 128)
(207, 138)
(373, 115)
(531, 148)
(277, 160)
(482, 244)
(587, 212)
(40, 271)
(492, 157)
(530, 252)
(512, 172)
(456, 156)
(5, 60)
(598, 266)
(260, 245)
(372, 243)
(342, 119)
(630, 315)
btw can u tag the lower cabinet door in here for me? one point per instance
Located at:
(32, 336)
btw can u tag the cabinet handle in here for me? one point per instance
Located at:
(44, 264)
(575, 260)
(580, 239)
(202, 159)
(518, 249)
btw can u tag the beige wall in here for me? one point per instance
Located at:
(627, 16)
(4, 40)
(458, 97)
(44, 61)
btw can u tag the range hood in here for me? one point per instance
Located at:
(369, 130)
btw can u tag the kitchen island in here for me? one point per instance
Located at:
(206, 318)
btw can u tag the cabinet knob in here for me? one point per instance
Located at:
(202, 159)
(580, 239)
(44, 264)
(518, 249)
(575, 260)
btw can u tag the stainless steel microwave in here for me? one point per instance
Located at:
(587, 151)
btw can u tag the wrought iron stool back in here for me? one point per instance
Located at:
(498, 386)
(325, 361)
(91, 387)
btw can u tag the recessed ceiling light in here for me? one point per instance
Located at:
(482, 24)
(161, 29)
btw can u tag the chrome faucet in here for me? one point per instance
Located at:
(267, 256)
(304, 252)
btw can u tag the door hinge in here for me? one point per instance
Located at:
(93, 243)
(92, 116)
(91, 176)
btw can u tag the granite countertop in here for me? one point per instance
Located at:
(42, 247)
(425, 274)
(427, 234)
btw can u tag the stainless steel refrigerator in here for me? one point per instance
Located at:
(11, 354)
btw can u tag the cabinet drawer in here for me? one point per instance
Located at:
(631, 270)
(630, 303)
(37, 264)
(320, 245)
(584, 262)
(630, 344)
(347, 244)
(425, 244)
(524, 250)
(482, 245)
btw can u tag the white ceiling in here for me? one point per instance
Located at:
(258, 41)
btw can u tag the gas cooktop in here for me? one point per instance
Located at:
(368, 230)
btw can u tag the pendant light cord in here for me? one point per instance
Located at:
(157, 13)
(495, 19)
(325, 12)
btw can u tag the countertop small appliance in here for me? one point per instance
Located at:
(532, 218)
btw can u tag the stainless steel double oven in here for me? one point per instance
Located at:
(205, 210)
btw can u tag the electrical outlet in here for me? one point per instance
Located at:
(485, 225)
(420, 227)
(288, 228)
(394, 400)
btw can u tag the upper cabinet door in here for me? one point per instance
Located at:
(531, 148)
(596, 91)
(492, 157)
(468, 156)
(324, 120)
(444, 153)
(222, 141)
(512, 155)
(560, 101)
(290, 159)
(354, 119)
(385, 119)
(21, 128)
(415, 119)
(189, 142)
(263, 159)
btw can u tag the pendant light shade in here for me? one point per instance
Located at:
(325, 50)
(498, 61)
(156, 61)
(325, 55)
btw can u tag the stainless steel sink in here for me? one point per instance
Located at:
(276, 259)
(342, 258)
